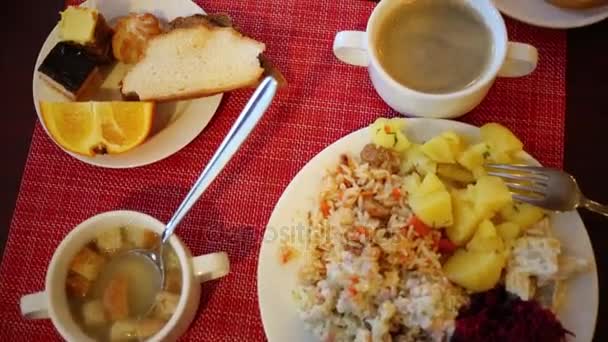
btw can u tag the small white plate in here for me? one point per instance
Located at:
(176, 123)
(276, 281)
(542, 13)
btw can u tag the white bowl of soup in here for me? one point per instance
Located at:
(95, 290)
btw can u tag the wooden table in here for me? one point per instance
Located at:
(26, 24)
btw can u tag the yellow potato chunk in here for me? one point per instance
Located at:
(500, 138)
(490, 195)
(411, 182)
(508, 231)
(523, 214)
(475, 271)
(486, 239)
(454, 172)
(430, 184)
(474, 156)
(465, 219)
(415, 160)
(388, 133)
(434, 209)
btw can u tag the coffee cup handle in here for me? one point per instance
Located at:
(210, 266)
(521, 60)
(34, 306)
(351, 47)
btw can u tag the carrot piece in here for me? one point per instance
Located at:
(396, 193)
(352, 291)
(362, 230)
(366, 193)
(325, 208)
(387, 129)
(420, 227)
(445, 246)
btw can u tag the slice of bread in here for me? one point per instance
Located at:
(194, 61)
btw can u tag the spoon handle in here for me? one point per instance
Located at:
(244, 124)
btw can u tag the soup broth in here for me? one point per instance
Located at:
(110, 292)
(434, 46)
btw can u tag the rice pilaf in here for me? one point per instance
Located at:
(369, 274)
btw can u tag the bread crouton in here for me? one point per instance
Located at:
(165, 305)
(142, 238)
(87, 263)
(115, 298)
(93, 313)
(123, 330)
(77, 285)
(173, 281)
(110, 241)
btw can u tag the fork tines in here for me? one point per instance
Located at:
(526, 183)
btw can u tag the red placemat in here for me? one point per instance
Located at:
(324, 101)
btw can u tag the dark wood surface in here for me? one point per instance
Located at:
(26, 24)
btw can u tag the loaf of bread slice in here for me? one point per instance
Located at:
(194, 60)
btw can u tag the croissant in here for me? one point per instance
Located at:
(132, 34)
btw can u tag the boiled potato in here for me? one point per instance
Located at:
(431, 183)
(475, 271)
(523, 214)
(415, 160)
(474, 156)
(490, 194)
(508, 231)
(411, 182)
(486, 239)
(500, 139)
(465, 219)
(388, 133)
(444, 148)
(434, 209)
(455, 173)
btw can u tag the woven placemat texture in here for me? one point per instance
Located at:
(324, 101)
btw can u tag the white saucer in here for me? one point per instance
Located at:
(177, 123)
(542, 13)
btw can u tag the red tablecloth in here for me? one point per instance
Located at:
(324, 101)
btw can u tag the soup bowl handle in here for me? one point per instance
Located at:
(34, 305)
(351, 47)
(521, 60)
(210, 266)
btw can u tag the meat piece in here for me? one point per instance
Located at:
(376, 209)
(380, 157)
(537, 256)
(520, 284)
(87, 263)
(77, 285)
(142, 238)
(115, 298)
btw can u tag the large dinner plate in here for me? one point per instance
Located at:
(176, 123)
(542, 13)
(276, 281)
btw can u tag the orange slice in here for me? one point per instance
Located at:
(91, 128)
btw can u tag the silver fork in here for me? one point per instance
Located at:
(544, 187)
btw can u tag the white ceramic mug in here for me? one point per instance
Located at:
(508, 60)
(52, 302)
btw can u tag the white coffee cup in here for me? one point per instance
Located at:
(508, 60)
(52, 302)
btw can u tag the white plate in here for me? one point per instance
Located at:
(276, 281)
(176, 123)
(542, 13)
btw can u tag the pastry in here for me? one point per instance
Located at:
(70, 69)
(132, 35)
(87, 27)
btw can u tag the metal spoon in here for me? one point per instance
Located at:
(244, 124)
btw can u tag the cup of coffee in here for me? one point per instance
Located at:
(93, 285)
(435, 58)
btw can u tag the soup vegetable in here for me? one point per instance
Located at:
(109, 291)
